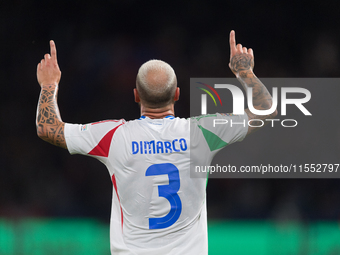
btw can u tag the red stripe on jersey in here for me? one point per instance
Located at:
(103, 147)
(115, 186)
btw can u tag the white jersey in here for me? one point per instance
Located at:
(156, 207)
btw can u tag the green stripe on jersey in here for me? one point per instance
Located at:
(214, 142)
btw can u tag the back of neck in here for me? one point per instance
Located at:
(157, 113)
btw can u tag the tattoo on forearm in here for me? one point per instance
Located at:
(261, 98)
(242, 65)
(49, 124)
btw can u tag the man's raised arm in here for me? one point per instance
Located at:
(50, 127)
(242, 64)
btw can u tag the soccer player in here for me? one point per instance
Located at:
(156, 207)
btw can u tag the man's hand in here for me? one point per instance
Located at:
(48, 72)
(241, 58)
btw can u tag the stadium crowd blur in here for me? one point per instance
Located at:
(101, 45)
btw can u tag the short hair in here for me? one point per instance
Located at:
(156, 83)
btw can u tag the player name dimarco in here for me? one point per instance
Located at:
(156, 147)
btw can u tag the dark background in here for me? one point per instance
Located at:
(101, 45)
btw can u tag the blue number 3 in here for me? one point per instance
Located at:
(169, 192)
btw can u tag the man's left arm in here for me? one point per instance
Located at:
(242, 65)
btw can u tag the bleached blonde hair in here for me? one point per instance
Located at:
(156, 83)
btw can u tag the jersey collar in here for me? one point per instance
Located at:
(167, 117)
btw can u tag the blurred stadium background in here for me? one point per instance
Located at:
(54, 203)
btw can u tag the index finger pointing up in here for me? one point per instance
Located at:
(53, 50)
(232, 42)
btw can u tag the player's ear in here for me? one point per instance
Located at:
(176, 94)
(135, 92)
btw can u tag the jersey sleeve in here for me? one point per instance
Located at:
(92, 139)
(222, 129)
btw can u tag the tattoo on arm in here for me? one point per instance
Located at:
(243, 64)
(50, 127)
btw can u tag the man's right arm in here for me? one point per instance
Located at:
(242, 64)
(49, 125)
